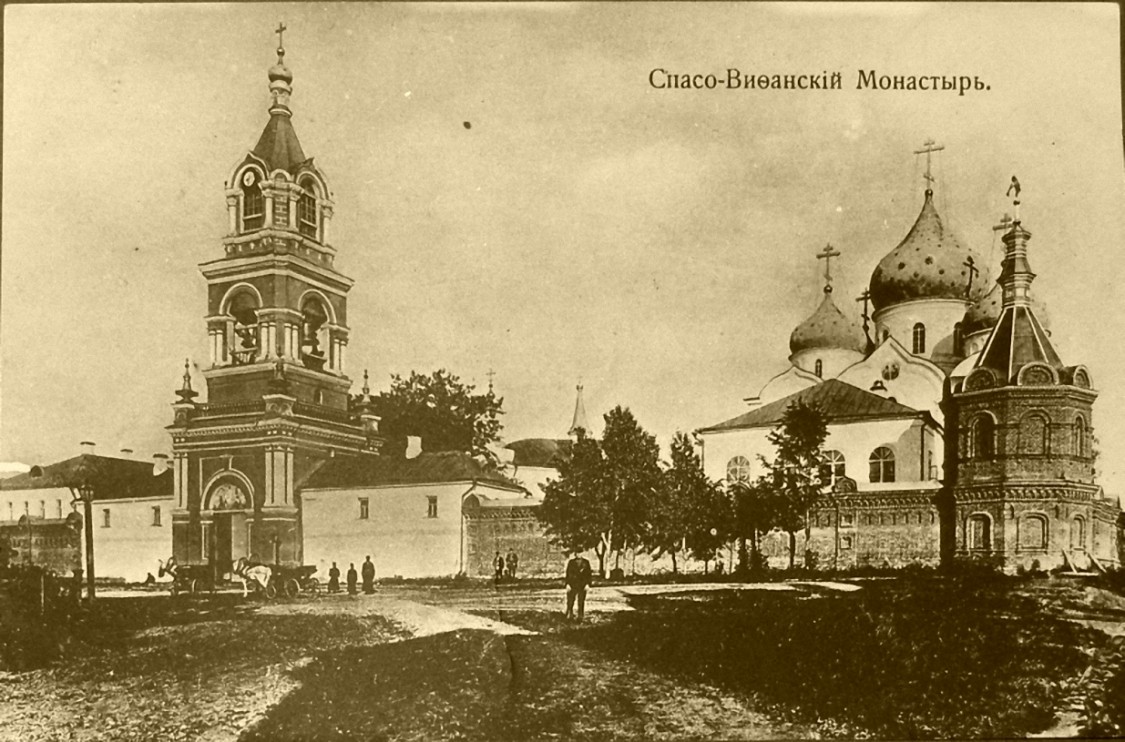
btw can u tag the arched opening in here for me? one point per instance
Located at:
(919, 337)
(314, 332)
(1033, 531)
(833, 467)
(244, 342)
(253, 202)
(818, 369)
(738, 470)
(229, 500)
(881, 465)
(1033, 432)
(982, 437)
(978, 531)
(1078, 532)
(307, 217)
(1078, 437)
(958, 339)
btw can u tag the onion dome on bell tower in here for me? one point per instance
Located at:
(827, 342)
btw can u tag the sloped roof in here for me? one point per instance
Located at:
(1017, 340)
(278, 145)
(544, 452)
(836, 399)
(111, 478)
(426, 468)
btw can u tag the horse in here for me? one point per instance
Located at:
(259, 575)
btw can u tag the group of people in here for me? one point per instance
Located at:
(505, 566)
(367, 572)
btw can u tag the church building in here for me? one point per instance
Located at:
(955, 431)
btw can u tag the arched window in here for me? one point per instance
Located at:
(1033, 434)
(1033, 531)
(1078, 532)
(244, 343)
(1078, 437)
(314, 317)
(832, 467)
(738, 470)
(958, 339)
(882, 465)
(982, 436)
(819, 368)
(306, 209)
(979, 532)
(253, 203)
(886, 334)
(919, 338)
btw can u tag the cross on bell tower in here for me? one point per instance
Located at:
(826, 255)
(928, 148)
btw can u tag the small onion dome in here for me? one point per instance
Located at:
(985, 313)
(279, 71)
(827, 328)
(928, 264)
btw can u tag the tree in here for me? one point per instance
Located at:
(632, 479)
(681, 514)
(442, 410)
(575, 514)
(794, 476)
(756, 511)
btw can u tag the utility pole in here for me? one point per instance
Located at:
(85, 494)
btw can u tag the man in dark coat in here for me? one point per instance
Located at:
(334, 579)
(353, 578)
(578, 576)
(368, 577)
(512, 562)
(498, 565)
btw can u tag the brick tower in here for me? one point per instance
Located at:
(278, 399)
(1022, 491)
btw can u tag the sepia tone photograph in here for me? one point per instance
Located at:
(559, 370)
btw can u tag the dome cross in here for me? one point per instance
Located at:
(281, 29)
(826, 255)
(928, 148)
(973, 270)
(865, 297)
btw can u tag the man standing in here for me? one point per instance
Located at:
(498, 565)
(353, 577)
(513, 562)
(368, 577)
(334, 579)
(578, 575)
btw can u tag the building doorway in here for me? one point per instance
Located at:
(232, 540)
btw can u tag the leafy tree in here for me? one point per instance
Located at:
(756, 510)
(575, 514)
(794, 476)
(441, 409)
(680, 513)
(632, 479)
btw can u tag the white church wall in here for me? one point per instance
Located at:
(398, 533)
(909, 380)
(833, 361)
(789, 381)
(937, 315)
(534, 478)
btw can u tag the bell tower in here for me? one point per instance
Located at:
(277, 390)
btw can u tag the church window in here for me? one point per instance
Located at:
(982, 436)
(919, 338)
(832, 467)
(819, 368)
(156, 515)
(42, 508)
(979, 529)
(1078, 532)
(882, 465)
(58, 509)
(845, 542)
(306, 210)
(244, 343)
(431, 506)
(11, 513)
(253, 203)
(738, 470)
(1033, 532)
(364, 508)
(1033, 434)
(958, 339)
(105, 518)
(847, 519)
(1078, 444)
(314, 333)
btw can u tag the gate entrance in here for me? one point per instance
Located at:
(231, 540)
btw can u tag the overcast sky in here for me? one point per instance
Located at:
(656, 243)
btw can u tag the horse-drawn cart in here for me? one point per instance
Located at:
(269, 580)
(292, 581)
(191, 579)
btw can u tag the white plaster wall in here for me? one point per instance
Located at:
(855, 441)
(534, 478)
(130, 547)
(834, 360)
(398, 535)
(54, 500)
(790, 381)
(975, 343)
(938, 315)
(918, 384)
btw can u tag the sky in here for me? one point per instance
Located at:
(657, 245)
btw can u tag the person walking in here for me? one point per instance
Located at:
(498, 565)
(334, 579)
(353, 578)
(512, 562)
(368, 577)
(578, 576)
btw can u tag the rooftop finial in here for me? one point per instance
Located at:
(280, 42)
(579, 422)
(185, 392)
(491, 375)
(928, 148)
(280, 77)
(1015, 186)
(366, 387)
(826, 255)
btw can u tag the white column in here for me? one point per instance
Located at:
(269, 474)
(269, 209)
(343, 355)
(232, 214)
(288, 474)
(177, 480)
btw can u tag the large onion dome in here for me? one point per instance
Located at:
(827, 328)
(984, 314)
(928, 264)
